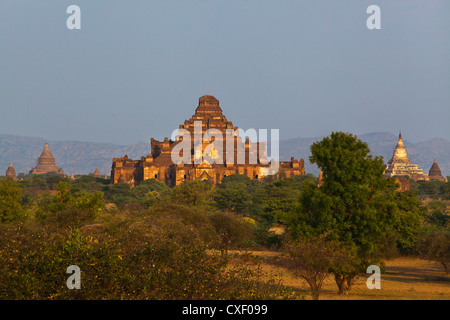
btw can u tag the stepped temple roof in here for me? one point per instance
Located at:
(210, 114)
(208, 105)
(96, 173)
(46, 163)
(10, 172)
(435, 172)
(400, 165)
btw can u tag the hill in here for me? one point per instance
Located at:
(72, 156)
(83, 157)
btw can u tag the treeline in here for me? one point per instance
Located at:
(156, 242)
(433, 189)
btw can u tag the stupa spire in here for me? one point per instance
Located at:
(400, 151)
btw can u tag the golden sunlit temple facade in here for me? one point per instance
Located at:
(208, 117)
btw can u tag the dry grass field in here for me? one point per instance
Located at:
(406, 278)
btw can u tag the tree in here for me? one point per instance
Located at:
(64, 205)
(345, 267)
(194, 194)
(437, 214)
(311, 260)
(408, 220)
(53, 179)
(10, 200)
(91, 203)
(39, 182)
(239, 193)
(433, 188)
(238, 179)
(153, 186)
(62, 199)
(446, 190)
(88, 183)
(232, 199)
(231, 230)
(436, 246)
(279, 198)
(349, 207)
(119, 193)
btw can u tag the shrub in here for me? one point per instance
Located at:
(10, 201)
(311, 260)
(194, 194)
(436, 246)
(232, 231)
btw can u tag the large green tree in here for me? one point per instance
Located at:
(355, 204)
(351, 180)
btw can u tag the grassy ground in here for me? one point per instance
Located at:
(406, 278)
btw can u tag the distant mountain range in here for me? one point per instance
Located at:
(72, 156)
(83, 157)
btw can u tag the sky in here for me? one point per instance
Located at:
(136, 69)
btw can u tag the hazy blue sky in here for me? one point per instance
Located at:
(137, 68)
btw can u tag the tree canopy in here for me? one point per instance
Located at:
(355, 205)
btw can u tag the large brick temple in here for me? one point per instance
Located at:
(160, 166)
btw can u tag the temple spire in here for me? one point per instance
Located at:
(319, 181)
(400, 151)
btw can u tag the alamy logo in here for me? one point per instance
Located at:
(74, 281)
(74, 20)
(374, 281)
(374, 21)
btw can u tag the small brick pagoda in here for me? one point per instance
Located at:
(435, 172)
(96, 173)
(10, 172)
